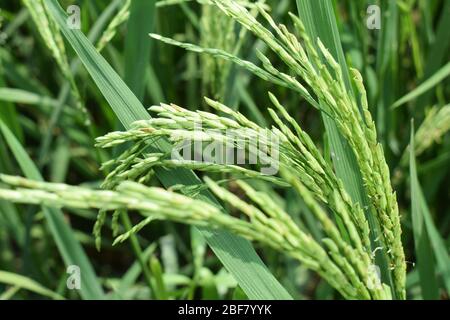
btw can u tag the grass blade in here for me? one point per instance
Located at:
(237, 254)
(25, 97)
(137, 44)
(431, 251)
(386, 71)
(428, 84)
(28, 284)
(424, 255)
(436, 55)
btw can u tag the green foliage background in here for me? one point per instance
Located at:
(43, 92)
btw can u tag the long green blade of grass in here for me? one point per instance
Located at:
(320, 21)
(8, 111)
(436, 56)
(424, 253)
(236, 253)
(28, 284)
(428, 84)
(69, 247)
(386, 70)
(24, 97)
(137, 44)
(431, 252)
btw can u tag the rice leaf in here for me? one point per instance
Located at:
(424, 255)
(431, 252)
(25, 97)
(22, 282)
(137, 46)
(386, 67)
(428, 84)
(436, 56)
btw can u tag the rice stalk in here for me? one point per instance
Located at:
(328, 85)
(338, 263)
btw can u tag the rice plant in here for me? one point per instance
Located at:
(295, 177)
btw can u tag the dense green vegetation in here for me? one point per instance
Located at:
(357, 207)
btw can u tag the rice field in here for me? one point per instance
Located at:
(224, 150)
